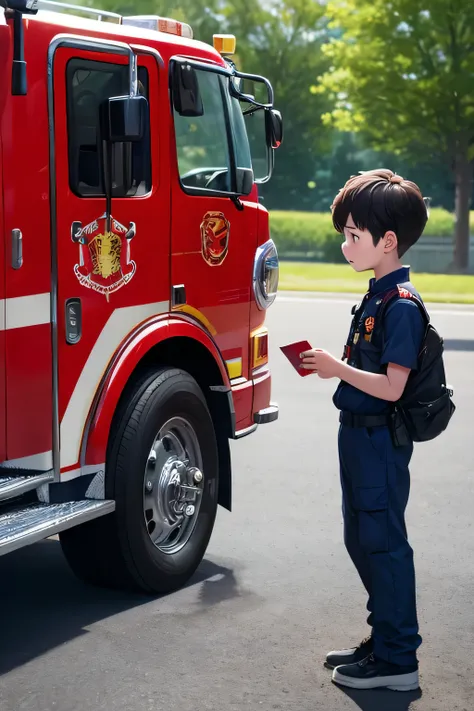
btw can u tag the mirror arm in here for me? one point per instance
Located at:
(107, 163)
(248, 97)
(133, 74)
(251, 111)
(237, 202)
(132, 231)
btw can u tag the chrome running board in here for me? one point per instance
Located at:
(12, 486)
(30, 524)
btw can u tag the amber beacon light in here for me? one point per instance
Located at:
(224, 44)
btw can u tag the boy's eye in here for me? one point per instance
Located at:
(355, 238)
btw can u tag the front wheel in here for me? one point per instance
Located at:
(162, 471)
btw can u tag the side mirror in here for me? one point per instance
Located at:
(274, 128)
(124, 119)
(26, 7)
(245, 181)
(185, 92)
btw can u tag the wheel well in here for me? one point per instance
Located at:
(187, 354)
(191, 356)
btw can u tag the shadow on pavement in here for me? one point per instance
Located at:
(44, 605)
(383, 700)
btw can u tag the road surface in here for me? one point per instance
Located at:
(276, 589)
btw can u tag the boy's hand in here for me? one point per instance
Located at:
(321, 362)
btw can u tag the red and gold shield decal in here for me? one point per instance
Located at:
(369, 324)
(104, 257)
(215, 230)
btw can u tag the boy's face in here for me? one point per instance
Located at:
(358, 247)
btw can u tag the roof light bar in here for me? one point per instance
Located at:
(160, 24)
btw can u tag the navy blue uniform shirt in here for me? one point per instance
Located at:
(398, 342)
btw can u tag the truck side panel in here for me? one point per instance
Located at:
(3, 90)
(24, 121)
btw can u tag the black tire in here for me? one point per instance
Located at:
(116, 550)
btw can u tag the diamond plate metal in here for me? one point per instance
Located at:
(11, 486)
(33, 523)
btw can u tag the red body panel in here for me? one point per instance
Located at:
(3, 452)
(24, 124)
(221, 293)
(131, 354)
(167, 250)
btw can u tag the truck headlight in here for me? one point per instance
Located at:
(265, 274)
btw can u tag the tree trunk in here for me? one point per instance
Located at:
(464, 174)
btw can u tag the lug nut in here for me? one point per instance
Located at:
(190, 510)
(197, 476)
(149, 486)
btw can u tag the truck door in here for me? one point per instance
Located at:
(109, 277)
(214, 236)
(25, 341)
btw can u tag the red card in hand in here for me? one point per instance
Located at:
(293, 352)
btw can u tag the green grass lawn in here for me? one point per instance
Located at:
(311, 276)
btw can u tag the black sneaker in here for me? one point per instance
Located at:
(351, 656)
(373, 673)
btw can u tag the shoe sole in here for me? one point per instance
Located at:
(402, 682)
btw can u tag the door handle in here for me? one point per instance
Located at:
(17, 249)
(76, 229)
(73, 321)
(131, 232)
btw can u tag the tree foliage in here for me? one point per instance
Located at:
(360, 83)
(401, 73)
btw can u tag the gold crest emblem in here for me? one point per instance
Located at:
(215, 230)
(104, 256)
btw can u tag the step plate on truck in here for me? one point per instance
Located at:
(30, 524)
(15, 485)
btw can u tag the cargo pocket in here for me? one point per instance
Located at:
(380, 442)
(372, 512)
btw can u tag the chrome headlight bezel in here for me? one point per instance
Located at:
(266, 262)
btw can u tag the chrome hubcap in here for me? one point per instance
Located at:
(173, 485)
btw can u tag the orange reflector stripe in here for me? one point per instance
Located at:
(260, 347)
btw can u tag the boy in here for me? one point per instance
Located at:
(380, 216)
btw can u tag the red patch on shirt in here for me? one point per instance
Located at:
(369, 324)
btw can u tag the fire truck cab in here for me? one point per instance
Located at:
(135, 275)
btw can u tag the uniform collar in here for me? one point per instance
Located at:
(399, 276)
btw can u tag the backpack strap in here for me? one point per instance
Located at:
(356, 312)
(401, 292)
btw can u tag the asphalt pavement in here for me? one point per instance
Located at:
(276, 590)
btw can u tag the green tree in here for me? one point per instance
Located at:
(402, 74)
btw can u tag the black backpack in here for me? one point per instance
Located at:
(426, 406)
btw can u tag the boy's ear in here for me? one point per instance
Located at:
(391, 242)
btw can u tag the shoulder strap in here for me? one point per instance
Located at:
(401, 291)
(356, 312)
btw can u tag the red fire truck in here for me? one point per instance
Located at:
(137, 269)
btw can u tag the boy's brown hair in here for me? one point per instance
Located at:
(381, 201)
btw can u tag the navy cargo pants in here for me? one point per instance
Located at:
(375, 486)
